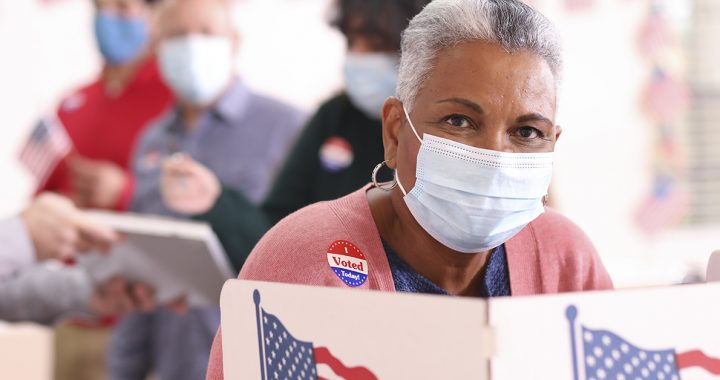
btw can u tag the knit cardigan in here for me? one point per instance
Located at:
(550, 255)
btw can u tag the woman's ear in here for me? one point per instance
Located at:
(393, 117)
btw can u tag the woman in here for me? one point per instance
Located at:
(470, 136)
(334, 154)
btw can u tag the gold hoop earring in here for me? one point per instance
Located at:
(375, 181)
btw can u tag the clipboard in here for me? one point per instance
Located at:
(176, 258)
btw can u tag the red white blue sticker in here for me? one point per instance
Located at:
(336, 154)
(348, 263)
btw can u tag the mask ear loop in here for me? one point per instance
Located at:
(384, 163)
(412, 127)
(407, 115)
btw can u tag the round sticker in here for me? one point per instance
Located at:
(336, 154)
(348, 263)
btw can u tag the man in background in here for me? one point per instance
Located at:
(240, 136)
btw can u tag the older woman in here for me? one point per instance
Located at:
(470, 136)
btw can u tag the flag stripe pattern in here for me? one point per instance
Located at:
(608, 356)
(324, 356)
(47, 145)
(698, 358)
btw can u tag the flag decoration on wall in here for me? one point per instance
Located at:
(606, 355)
(282, 356)
(47, 145)
(665, 101)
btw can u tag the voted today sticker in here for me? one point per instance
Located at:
(348, 263)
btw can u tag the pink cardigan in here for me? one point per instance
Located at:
(550, 255)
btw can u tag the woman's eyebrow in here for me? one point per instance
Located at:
(534, 117)
(465, 102)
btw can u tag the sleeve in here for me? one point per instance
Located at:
(130, 350)
(215, 365)
(44, 293)
(596, 276)
(18, 250)
(123, 201)
(238, 223)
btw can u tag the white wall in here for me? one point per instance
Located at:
(603, 158)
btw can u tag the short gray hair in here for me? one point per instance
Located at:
(446, 23)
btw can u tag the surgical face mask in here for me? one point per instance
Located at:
(472, 200)
(370, 78)
(120, 39)
(197, 67)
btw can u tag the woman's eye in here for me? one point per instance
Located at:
(458, 121)
(529, 133)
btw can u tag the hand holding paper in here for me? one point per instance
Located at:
(58, 230)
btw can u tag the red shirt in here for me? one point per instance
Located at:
(104, 127)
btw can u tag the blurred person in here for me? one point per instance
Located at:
(104, 118)
(241, 136)
(51, 228)
(470, 138)
(337, 149)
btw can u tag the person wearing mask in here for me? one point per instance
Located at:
(104, 118)
(51, 228)
(239, 135)
(470, 138)
(336, 151)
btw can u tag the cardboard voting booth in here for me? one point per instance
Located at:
(177, 258)
(280, 331)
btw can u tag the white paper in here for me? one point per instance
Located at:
(176, 258)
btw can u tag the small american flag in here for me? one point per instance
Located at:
(607, 356)
(665, 207)
(282, 356)
(47, 145)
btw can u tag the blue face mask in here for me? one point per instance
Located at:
(120, 39)
(370, 78)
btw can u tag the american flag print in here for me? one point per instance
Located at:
(285, 356)
(47, 145)
(282, 356)
(606, 355)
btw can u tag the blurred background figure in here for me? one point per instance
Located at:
(336, 151)
(104, 118)
(239, 135)
(101, 121)
(51, 228)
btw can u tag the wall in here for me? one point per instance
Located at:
(603, 158)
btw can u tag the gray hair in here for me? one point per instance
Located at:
(446, 23)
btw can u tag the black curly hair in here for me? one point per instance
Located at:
(381, 21)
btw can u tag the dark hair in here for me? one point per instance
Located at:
(382, 21)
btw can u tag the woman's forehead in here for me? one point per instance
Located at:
(483, 72)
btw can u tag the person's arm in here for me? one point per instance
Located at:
(238, 223)
(17, 251)
(42, 294)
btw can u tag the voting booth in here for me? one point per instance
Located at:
(281, 331)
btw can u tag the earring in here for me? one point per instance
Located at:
(375, 181)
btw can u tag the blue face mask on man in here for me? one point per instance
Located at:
(120, 39)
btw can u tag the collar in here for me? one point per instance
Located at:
(229, 109)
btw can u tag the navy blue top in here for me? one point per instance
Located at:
(496, 279)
